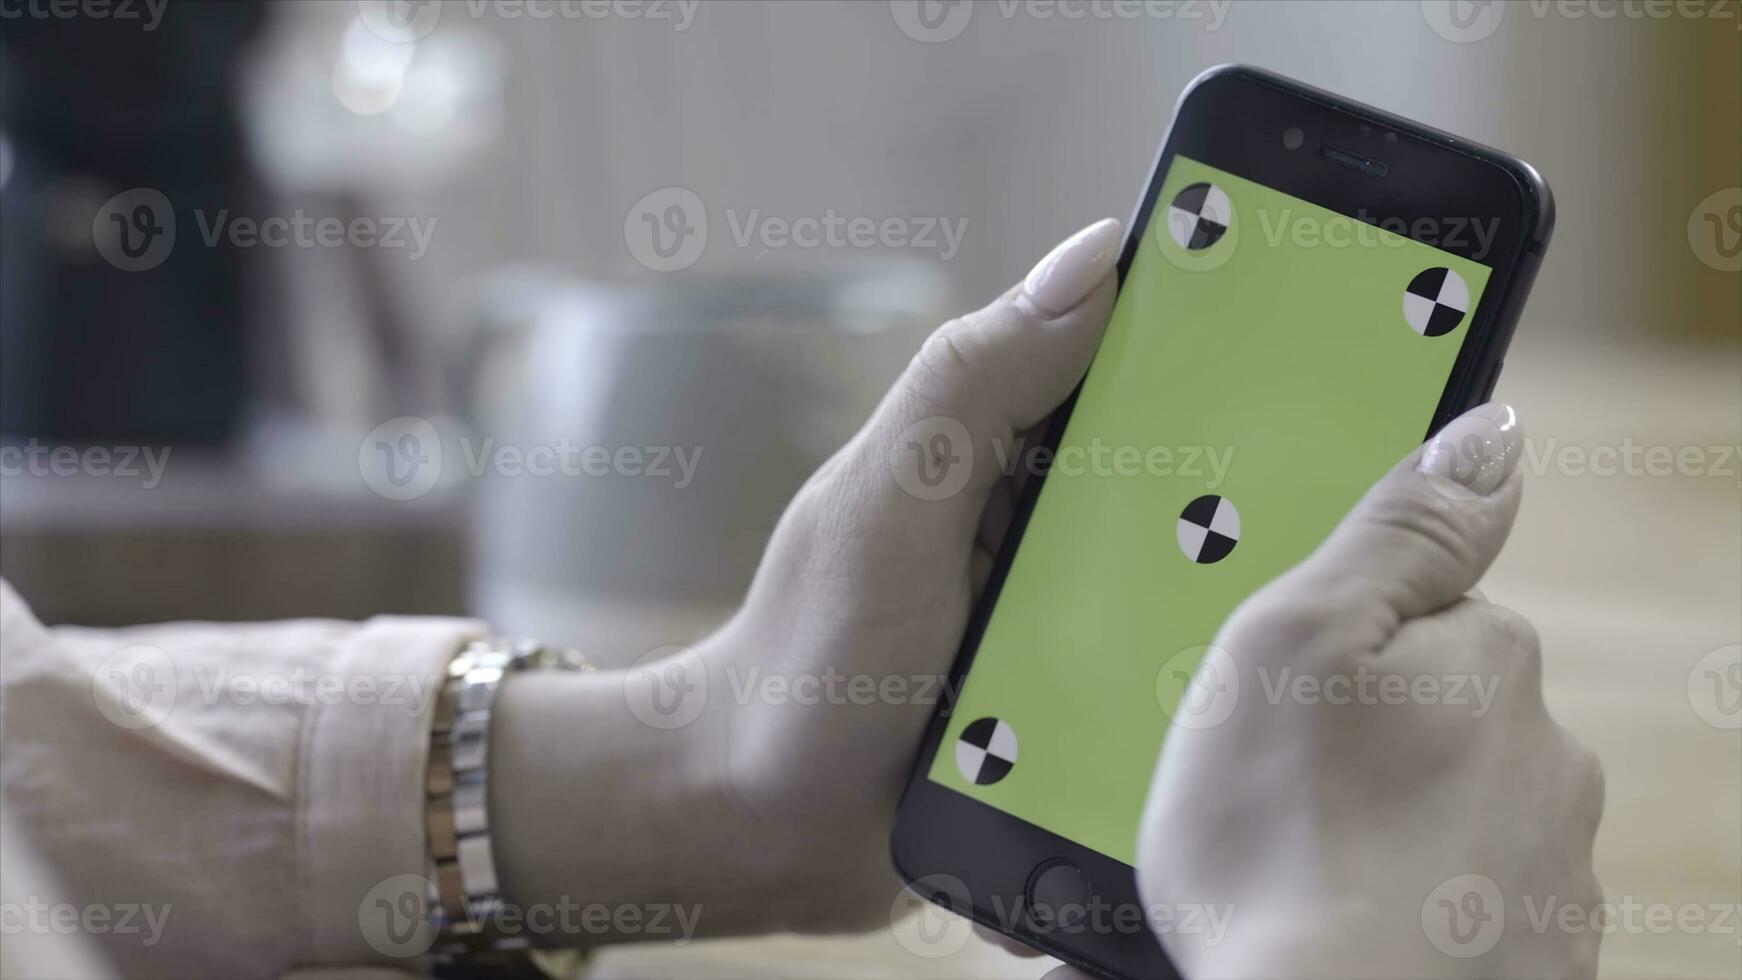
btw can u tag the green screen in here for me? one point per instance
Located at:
(1279, 368)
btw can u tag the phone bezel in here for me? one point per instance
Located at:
(1432, 175)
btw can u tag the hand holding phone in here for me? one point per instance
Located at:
(1383, 789)
(1309, 288)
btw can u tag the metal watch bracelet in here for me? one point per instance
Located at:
(465, 897)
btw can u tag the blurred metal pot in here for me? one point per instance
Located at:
(636, 443)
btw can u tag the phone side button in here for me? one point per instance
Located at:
(1058, 895)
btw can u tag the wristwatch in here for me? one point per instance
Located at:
(465, 900)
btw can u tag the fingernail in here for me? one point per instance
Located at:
(1477, 449)
(1071, 270)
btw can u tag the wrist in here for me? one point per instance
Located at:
(605, 823)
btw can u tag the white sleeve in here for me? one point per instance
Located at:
(234, 791)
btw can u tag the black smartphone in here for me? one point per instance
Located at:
(1300, 266)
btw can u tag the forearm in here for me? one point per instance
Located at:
(235, 791)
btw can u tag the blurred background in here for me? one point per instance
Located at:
(532, 311)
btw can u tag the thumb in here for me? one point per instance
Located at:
(1426, 533)
(947, 428)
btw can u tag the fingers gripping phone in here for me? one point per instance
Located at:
(1309, 288)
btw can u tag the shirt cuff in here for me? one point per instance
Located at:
(364, 752)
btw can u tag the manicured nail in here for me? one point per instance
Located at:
(1477, 449)
(1071, 270)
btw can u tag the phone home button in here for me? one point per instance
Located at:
(1058, 895)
